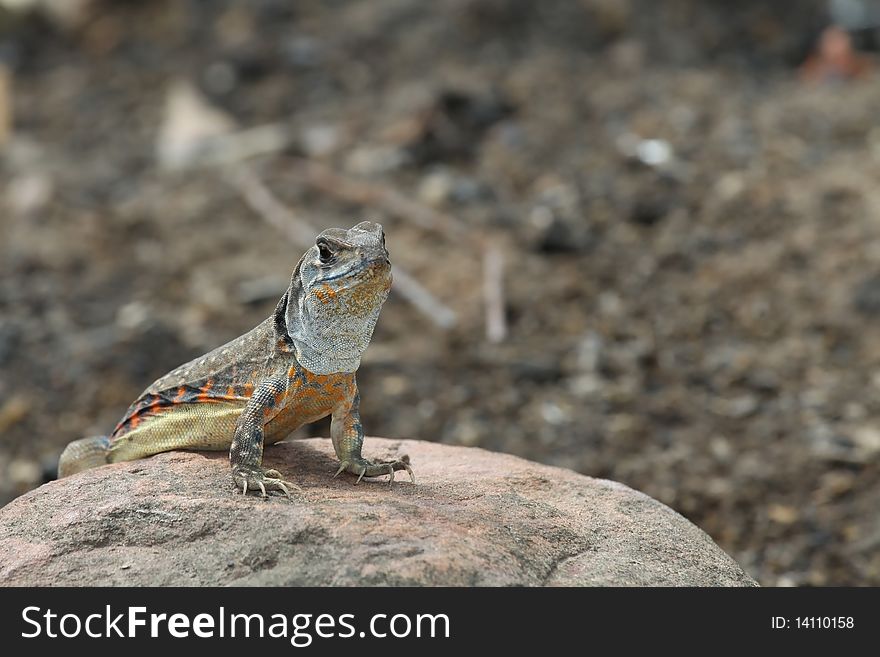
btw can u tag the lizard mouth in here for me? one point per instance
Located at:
(370, 273)
(366, 279)
(361, 271)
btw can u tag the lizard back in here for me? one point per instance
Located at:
(226, 376)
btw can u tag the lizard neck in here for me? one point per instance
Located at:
(321, 362)
(329, 347)
(324, 343)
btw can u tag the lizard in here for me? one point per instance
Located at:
(295, 367)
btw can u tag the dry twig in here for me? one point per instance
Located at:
(493, 292)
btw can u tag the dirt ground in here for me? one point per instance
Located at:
(690, 236)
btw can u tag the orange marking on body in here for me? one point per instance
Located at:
(325, 293)
(230, 391)
(204, 390)
(291, 373)
(181, 391)
(134, 421)
(248, 389)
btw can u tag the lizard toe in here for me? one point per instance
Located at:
(262, 480)
(364, 468)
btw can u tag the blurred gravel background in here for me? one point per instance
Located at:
(688, 215)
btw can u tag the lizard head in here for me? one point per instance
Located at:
(335, 296)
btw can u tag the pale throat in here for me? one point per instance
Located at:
(327, 341)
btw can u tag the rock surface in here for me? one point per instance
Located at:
(474, 518)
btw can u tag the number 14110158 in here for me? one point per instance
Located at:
(824, 622)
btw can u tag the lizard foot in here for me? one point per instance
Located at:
(364, 468)
(253, 478)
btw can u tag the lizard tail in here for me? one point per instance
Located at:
(83, 454)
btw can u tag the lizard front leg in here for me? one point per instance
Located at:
(348, 438)
(246, 452)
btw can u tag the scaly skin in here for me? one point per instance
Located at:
(296, 367)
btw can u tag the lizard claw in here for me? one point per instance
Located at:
(363, 468)
(401, 464)
(391, 469)
(406, 467)
(251, 478)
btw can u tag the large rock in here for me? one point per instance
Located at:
(473, 518)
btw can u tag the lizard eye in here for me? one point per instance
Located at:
(324, 251)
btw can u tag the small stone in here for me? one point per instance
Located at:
(394, 385)
(436, 188)
(729, 186)
(320, 140)
(29, 193)
(553, 413)
(720, 448)
(867, 440)
(13, 410)
(654, 152)
(787, 581)
(784, 515)
(133, 315)
(24, 473)
(585, 385)
(736, 407)
(610, 304)
(650, 152)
